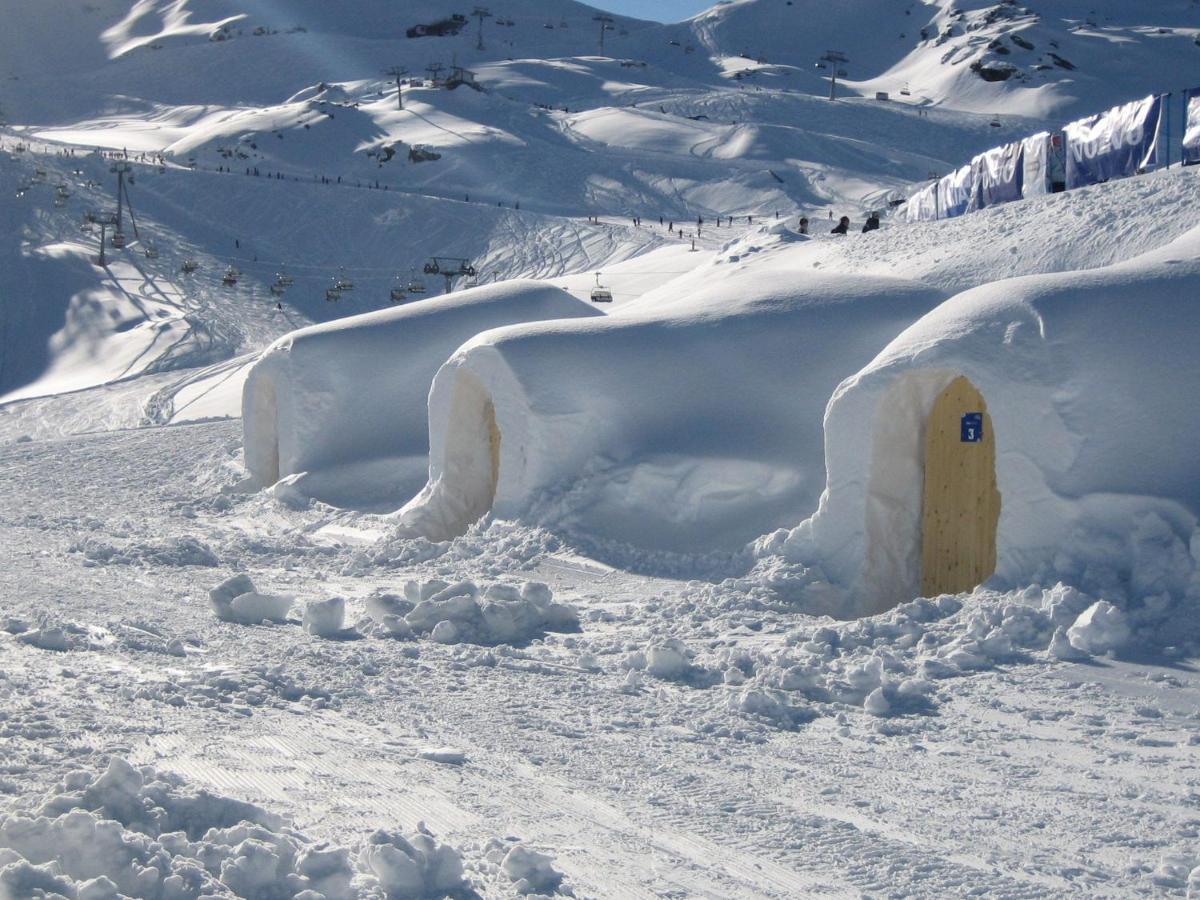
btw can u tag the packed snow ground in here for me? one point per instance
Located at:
(688, 738)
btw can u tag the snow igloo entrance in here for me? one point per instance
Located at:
(932, 504)
(471, 464)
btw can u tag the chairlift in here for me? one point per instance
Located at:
(189, 266)
(342, 281)
(278, 289)
(231, 276)
(283, 278)
(118, 240)
(996, 123)
(60, 200)
(601, 294)
(332, 295)
(904, 91)
(151, 251)
(39, 176)
(431, 268)
(415, 284)
(397, 293)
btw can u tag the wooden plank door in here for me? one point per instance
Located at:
(961, 500)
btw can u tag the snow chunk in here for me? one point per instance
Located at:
(324, 618)
(417, 866)
(530, 871)
(252, 608)
(221, 597)
(461, 613)
(1100, 629)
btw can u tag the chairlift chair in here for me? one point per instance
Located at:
(332, 295)
(601, 294)
(283, 278)
(60, 200)
(431, 268)
(151, 251)
(118, 240)
(189, 266)
(397, 293)
(342, 281)
(415, 284)
(231, 276)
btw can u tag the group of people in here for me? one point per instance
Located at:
(843, 225)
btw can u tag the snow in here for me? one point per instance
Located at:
(652, 626)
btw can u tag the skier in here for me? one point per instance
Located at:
(872, 223)
(842, 226)
(803, 225)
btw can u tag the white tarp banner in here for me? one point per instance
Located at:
(1191, 128)
(1115, 144)
(997, 177)
(1037, 159)
(923, 205)
(954, 191)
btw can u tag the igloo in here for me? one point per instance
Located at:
(341, 407)
(1030, 430)
(688, 421)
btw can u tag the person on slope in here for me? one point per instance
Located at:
(872, 223)
(842, 226)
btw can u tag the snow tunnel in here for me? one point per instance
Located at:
(464, 459)
(932, 500)
(261, 428)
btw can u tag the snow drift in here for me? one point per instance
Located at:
(1087, 380)
(682, 423)
(347, 399)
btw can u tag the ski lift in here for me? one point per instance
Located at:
(996, 123)
(151, 251)
(398, 295)
(601, 294)
(189, 266)
(278, 289)
(342, 281)
(283, 278)
(904, 91)
(415, 284)
(118, 240)
(332, 295)
(231, 276)
(431, 268)
(60, 201)
(472, 280)
(39, 176)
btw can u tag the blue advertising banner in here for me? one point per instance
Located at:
(1191, 127)
(1114, 144)
(954, 191)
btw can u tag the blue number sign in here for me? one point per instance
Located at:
(972, 428)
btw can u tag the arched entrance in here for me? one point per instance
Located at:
(961, 502)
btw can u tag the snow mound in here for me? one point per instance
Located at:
(139, 832)
(501, 613)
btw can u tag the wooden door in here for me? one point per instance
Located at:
(961, 500)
